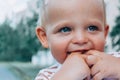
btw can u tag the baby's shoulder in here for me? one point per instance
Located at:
(47, 73)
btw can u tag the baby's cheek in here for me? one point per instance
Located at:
(58, 52)
(100, 46)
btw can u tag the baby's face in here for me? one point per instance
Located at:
(75, 26)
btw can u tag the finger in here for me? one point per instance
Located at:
(84, 56)
(98, 76)
(88, 77)
(91, 60)
(93, 52)
(95, 69)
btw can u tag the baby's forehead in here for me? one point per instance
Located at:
(62, 4)
(50, 6)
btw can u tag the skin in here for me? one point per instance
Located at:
(105, 66)
(70, 32)
(79, 36)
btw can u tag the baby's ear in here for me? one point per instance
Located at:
(41, 34)
(106, 30)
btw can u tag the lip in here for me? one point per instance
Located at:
(79, 51)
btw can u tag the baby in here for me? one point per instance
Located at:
(75, 31)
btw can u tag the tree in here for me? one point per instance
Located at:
(115, 34)
(6, 41)
(20, 43)
(28, 43)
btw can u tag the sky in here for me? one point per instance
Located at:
(7, 7)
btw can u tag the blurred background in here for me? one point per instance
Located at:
(21, 54)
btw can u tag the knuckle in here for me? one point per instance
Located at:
(75, 55)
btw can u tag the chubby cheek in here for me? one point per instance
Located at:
(99, 43)
(58, 49)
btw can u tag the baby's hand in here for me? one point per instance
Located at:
(103, 66)
(74, 68)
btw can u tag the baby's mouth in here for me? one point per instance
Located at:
(77, 51)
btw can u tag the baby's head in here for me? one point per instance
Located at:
(69, 26)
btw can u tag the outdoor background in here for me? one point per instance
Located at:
(21, 54)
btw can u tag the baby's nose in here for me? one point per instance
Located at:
(80, 38)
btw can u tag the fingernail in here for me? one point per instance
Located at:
(90, 57)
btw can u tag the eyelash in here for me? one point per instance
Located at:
(92, 28)
(65, 29)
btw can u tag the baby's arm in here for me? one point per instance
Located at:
(74, 68)
(104, 66)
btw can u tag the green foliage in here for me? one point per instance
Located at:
(115, 34)
(6, 39)
(21, 43)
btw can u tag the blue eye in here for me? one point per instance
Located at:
(65, 29)
(92, 28)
